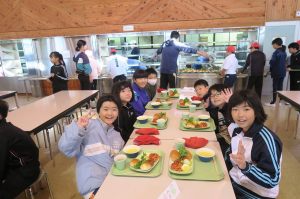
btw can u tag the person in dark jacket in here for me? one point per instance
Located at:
(59, 75)
(152, 82)
(19, 158)
(219, 95)
(294, 65)
(141, 97)
(255, 155)
(123, 93)
(83, 67)
(170, 50)
(256, 60)
(277, 67)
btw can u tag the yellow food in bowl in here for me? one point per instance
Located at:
(131, 150)
(206, 154)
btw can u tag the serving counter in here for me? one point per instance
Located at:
(188, 79)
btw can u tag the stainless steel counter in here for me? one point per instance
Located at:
(188, 79)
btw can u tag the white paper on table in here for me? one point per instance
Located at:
(171, 192)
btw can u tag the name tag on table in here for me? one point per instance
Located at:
(171, 192)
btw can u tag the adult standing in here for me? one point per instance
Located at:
(117, 66)
(294, 65)
(83, 67)
(256, 60)
(19, 158)
(229, 67)
(168, 67)
(277, 67)
(96, 69)
(135, 51)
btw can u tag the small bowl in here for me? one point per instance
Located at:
(142, 119)
(205, 154)
(132, 151)
(204, 118)
(196, 102)
(155, 104)
(165, 104)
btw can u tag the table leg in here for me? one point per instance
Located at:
(16, 100)
(26, 90)
(49, 143)
(276, 113)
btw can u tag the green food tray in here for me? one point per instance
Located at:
(211, 128)
(138, 125)
(149, 107)
(203, 171)
(156, 171)
(175, 96)
(187, 108)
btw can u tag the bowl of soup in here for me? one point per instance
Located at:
(205, 154)
(132, 151)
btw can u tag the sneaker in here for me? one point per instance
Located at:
(270, 104)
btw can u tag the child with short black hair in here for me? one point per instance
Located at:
(201, 88)
(141, 97)
(152, 82)
(293, 66)
(219, 95)
(256, 152)
(123, 93)
(93, 142)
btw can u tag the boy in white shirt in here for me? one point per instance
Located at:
(117, 66)
(229, 67)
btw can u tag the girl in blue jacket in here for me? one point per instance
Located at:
(141, 98)
(93, 142)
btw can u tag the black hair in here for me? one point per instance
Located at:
(150, 71)
(118, 87)
(140, 74)
(277, 41)
(3, 109)
(200, 82)
(59, 56)
(175, 34)
(80, 43)
(252, 100)
(106, 98)
(217, 87)
(294, 45)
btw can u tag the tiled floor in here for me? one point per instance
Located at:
(62, 177)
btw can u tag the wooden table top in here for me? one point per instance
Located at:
(6, 94)
(38, 115)
(149, 188)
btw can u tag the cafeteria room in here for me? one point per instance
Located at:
(151, 99)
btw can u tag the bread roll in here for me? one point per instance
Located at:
(174, 155)
(189, 155)
(146, 165)
(133, 162)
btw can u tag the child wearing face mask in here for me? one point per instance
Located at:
(93, 142)
(123, 93)
(152, 82)
(141, 97)
(254, 159)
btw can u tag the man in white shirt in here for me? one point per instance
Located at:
(229, 67)
(117, 66)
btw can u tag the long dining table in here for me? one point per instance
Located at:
(152, 187)
(38, 115)
(7, 94)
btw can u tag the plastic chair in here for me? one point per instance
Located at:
(43, 175)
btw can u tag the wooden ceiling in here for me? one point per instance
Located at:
(31, 18)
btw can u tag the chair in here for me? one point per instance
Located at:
(29, 189)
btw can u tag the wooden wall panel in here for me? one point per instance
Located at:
(280, 10)
(31, 18)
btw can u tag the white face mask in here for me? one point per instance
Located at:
(152, 82)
